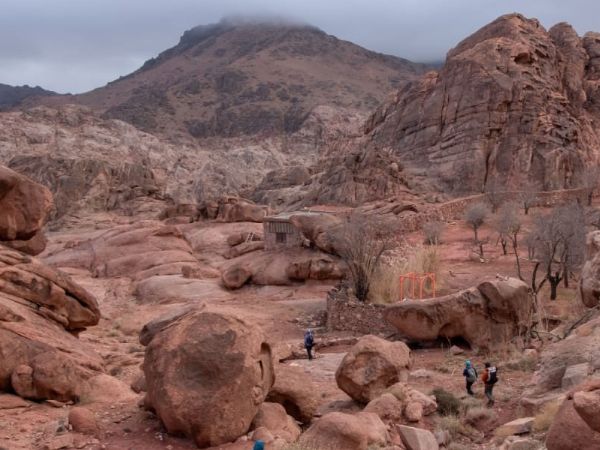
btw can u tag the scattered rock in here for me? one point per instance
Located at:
(8, 401)
(387, 407)
(345, 432)
(455, 350)
(417, 438)
(83, 420)
(515, 427)
(273, 417)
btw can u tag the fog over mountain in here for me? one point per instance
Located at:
(70, 46)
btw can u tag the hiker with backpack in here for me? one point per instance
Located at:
(309, 341)
(489, 378)
(470, 374)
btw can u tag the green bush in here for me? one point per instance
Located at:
(447, 402)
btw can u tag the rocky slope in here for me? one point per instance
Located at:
(11, 96)
(513, 102)
(240, 78)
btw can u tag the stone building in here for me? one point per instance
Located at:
(279, 232)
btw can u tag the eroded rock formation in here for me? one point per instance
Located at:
(486, 316)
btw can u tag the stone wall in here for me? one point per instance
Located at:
(455, 209)
(344, 314)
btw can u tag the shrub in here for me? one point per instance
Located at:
(432, 232)
(545, 417)
(451, 424)
(479, 414)
(447, 402)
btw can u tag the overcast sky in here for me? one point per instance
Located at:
(77, 45)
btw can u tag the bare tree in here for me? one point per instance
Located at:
(559, 239)
(432, 232)
(589, 182)
(360, 242)
(475, 216)
(495, 194)
(508, 225)
(527, 196)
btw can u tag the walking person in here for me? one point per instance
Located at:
(309, 342)
(489, 378)
(470, 374)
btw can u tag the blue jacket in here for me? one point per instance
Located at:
(259, 445)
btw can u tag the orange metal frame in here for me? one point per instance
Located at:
(417, 278)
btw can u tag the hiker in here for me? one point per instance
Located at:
(259, 445)
(470, 374)
(309, 341)
(489, 378)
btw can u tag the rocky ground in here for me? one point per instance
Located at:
(283, 312)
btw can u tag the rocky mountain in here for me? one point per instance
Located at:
(11, 96)
(240, 78)
(512, 102)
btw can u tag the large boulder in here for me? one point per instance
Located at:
(568, 361)
(372, 365)
(318, 229)
(281, 268)
(342, 431)
(417, 438)
(486, 316)
(24, 206)
(207, 375)
(274, 418)
(41, 310)
(296, 392)
(569, 430)
(587, 404)
(236, 209)
(589, 283)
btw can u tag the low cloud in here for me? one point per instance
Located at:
(74, 45)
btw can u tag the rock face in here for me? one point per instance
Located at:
(509, 102)
(589, 284)
(39, 358)
(561, 363)
(371, 366)
(587, 405)
(24, 206)
(569, 429)
(40, 308)
(208, 362)
(485, 316)
(342, 431)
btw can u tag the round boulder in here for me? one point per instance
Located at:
(371, 366)
(206, 376)
(342, 431)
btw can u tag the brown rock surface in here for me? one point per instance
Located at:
(569, 431)
(372, 365)
(509, 99)
(208, 362)
(492, 313)
(24, 206)
(296, 392)
(342, 431)
(274, 418)
(83, 420)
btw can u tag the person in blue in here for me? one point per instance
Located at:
(259, 445)
(309, 342)
(470, 375)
